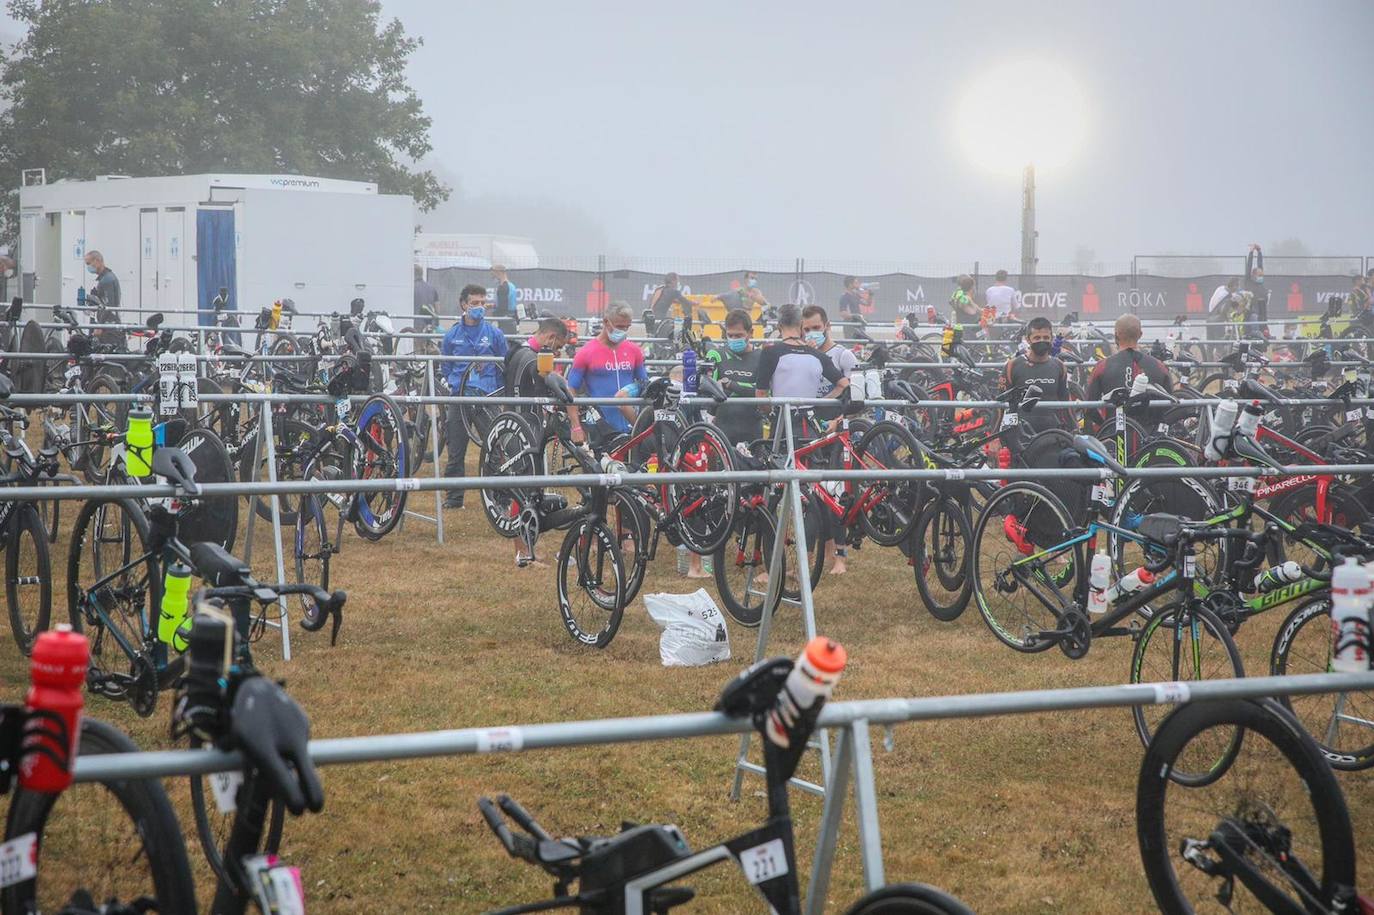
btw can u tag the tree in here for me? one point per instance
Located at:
(167, 87)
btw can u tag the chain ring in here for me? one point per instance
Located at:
(1075, 645)
(142, 692)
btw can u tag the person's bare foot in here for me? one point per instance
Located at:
(839, 568)
(697, 573)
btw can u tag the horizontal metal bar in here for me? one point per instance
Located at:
(703, 724)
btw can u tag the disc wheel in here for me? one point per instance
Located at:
(28, 577)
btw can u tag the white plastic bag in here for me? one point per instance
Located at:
(694, 632)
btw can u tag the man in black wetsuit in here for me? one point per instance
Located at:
(1045, 371)
(1119, 369)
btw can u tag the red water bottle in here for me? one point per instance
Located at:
(57, 671)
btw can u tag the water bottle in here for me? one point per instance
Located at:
(176, 593)
(167, 384)
(1223, 421)
(1277, 576)
(1099, 575)
(1247, 423)
(188, 393)
(689, 371)
(80, 296)
(276, 314)
(683, 561)
(947, 338)
(1140, 384)
(138, 450)
(1350, 594)
(813, 677)
(1140, 578)
(1058, 345)
(57, 672)
(873, 384)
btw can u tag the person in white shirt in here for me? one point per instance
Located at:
(1217, 310)
(1004, 299)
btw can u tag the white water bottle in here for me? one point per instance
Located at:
(1247, 423)
(1140, 578)
(167, 383)
(1140, 385)
(1099, 574)
(1277, 576)
(1223, 421)
(813, 677)
(188, 394)
(873, 384)
(1350, 598)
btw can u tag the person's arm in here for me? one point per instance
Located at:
(832, 374)
(576, 375)
(763, 380)
(1004, 380)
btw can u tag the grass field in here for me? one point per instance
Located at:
(1019, 815)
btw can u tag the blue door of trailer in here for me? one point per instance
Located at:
(216, 261)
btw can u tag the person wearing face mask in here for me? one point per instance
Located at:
(747, 295)
(609, 365)
(816, 332)
(1036, 366)
(736, 367)
(471, 335)
(106, 283)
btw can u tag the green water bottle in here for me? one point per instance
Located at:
(172, 623)
(138, 451)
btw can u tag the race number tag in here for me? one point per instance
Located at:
(1369, 412)
(1231, 386)
(500, 740)
(1010, 419)
(1162, 428)
(277, 887)
(1171, 693)
(342, 407)
(1241, 484)
(1102, 493)
(19, 859)
(665, 416)
(763, 862)
(1189, 566)
(1120, 420)
(225, 787)
(72, 372)
(1352, 414)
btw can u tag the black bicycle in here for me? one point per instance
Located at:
(632, 871)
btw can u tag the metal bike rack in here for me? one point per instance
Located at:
(853, 760)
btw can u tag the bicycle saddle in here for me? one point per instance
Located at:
(1161, 528)
(661, 391)
(177, 467)
(558, 388)
(218, 566)
(291, 381)
(712, 389)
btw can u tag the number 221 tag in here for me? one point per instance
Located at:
(763, 862)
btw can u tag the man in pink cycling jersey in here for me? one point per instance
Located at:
(608, 366)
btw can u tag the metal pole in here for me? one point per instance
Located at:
(433, 410)
(866, 807)
(266, 424)
(828, 834)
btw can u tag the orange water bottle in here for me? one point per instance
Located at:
(813, 678)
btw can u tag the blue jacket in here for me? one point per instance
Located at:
(483, 339)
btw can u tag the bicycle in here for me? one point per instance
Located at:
(630, 872)
(1270, 833)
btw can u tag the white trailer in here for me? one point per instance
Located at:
(175, 241)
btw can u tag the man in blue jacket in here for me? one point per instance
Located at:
(471, 335)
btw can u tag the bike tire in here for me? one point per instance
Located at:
(943, 526)
(312, 549)
(709, 508)
(897, 503)
(380, 455)
(1212, 764)
(291, 442)
(27, 562)
(152, 829)
(1022, 504)
(746, 549)
(1303, 646)
(214, 519)
(1259, 720)
(908, 899)
(512, 448)
(590, 551)
(213, 827)
(630, 520)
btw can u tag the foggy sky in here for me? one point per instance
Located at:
(825, 129)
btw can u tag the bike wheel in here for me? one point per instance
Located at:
(28, 576)
(213, 825)
(380, 454)
(741, 565)
(216, 518)
(511, 448)
(707, 509)
(1342, 724)
(313, 549)
(1187, 498)
(1278, 809)
(1023, 574)
(591, 583)
(890, 507)
(117, 839)
(941, 559)
(1176, 646)
(908, 899)
(291, 439)
(111, 568)
(627, 517)
(106, 415)
(476, 418)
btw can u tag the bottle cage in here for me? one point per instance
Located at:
(17, 724)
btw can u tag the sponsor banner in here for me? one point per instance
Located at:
(578, 293)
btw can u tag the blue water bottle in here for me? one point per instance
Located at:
(80, 296)
(689, 371)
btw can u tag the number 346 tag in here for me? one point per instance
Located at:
(763, 862)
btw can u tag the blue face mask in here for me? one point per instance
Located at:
(753, 284)
(815, 337)
(90, 268)
(617, 336)
(477, 312)
(737, 346)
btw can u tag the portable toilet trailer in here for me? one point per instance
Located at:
(174, 242)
